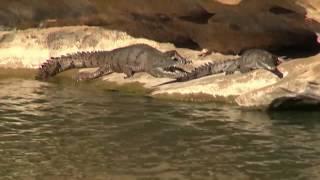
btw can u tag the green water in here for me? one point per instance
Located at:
(67, 131)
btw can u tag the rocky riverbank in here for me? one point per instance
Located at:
(257, 89)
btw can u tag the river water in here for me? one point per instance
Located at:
(68, 131)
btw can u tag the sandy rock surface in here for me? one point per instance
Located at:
(257, 89)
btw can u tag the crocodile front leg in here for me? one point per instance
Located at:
(93, 75)
(232, 68)
(128, 71)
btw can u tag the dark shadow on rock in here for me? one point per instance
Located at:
(308, 100)
(185, 42)
(201, 16)
(198, 18)
(305, 48)
(235, 27)
(297, 103)
(301, 108)
(278, 10)
(160, 18)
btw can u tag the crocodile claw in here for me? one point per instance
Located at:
(277, 72)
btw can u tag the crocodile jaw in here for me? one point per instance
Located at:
(171, 72)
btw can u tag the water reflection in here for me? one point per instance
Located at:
(67, 131)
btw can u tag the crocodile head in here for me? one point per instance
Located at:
(173, 66)
(261, 59)
(271, 64)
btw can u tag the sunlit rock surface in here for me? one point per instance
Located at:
(312, 8)
(216, 87)
(254, 90)
(29, 48)
(257, 89)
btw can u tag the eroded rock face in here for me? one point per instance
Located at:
(301, 74)
(227, 26)
(307, 99)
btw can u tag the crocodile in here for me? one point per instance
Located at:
(128, 60)
(250, 60)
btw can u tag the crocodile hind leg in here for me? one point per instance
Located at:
(128, 71)
(93, 75)
(231, 69)
(245, 69)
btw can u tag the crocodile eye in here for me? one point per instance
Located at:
(174, 58)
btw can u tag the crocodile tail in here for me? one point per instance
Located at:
(56, 65)
(198, 72)
(207, 69)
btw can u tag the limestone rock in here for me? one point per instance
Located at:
(29, 48)
(300, 73)
(256, 89)
(216, 87)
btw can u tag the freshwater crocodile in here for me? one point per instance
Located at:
(128, 60)
(250, 60)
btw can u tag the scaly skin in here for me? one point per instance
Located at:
(250, 60)
(128, 60)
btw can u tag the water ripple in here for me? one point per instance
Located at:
(64, 131)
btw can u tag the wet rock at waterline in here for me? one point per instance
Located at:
(301, 82)
(256, 89)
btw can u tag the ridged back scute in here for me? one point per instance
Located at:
(56, 65)
(207, 69)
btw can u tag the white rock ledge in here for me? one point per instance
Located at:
(257, 89)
